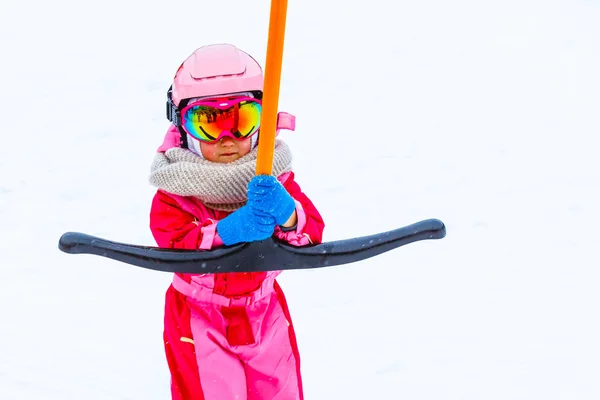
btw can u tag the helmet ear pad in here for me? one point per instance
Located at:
(193, 145)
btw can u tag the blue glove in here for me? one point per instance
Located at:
(266, 196)
(244, 225)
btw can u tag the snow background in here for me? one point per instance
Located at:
(482, 114)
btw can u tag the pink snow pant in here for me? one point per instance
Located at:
(267, 369)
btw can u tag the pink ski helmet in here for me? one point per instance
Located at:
(214, 70)
(209, 71)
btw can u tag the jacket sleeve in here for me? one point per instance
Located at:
(175, 228)
(309, 228)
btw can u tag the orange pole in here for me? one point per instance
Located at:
(270, 103)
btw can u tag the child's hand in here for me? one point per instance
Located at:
(267, 196)
(245, 225)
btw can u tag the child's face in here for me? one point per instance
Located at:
(226, 149)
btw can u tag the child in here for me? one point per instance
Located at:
(227, 336)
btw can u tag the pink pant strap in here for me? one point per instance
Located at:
(206, 295)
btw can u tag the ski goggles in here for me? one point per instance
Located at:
(210, 120)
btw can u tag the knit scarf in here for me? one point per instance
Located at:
(218, 186)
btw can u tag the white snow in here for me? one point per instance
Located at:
(482, 114)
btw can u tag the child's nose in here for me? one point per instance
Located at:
(227, 141)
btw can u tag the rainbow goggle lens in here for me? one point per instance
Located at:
(210, 120)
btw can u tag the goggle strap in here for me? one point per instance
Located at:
(173, 114)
